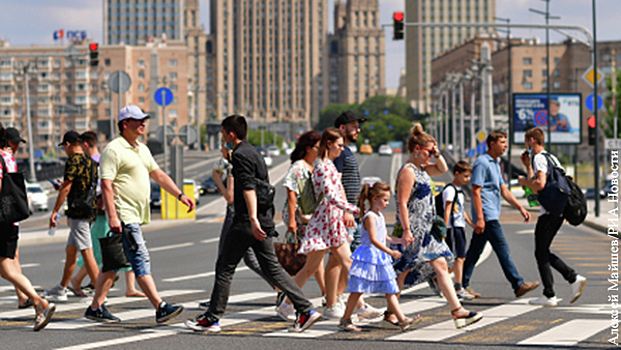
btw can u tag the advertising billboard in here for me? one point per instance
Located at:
(531, 110)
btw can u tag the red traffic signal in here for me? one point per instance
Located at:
(94, 54)
(397, 25)
(398, 16)
(591, 121)
(93, 46)
(592, 130)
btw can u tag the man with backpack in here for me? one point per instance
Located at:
(540, 172)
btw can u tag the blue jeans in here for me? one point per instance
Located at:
(136, 249)
(493, 234)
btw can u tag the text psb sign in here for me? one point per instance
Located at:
(70, 34)
(531, 110)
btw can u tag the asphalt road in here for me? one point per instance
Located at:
(183, 259)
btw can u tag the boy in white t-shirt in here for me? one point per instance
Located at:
(456, 218)
(548, 224)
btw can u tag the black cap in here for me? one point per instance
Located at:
(347, 117)
(70, 137)
(13, 135)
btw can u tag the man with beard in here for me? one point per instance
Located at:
(336, 279)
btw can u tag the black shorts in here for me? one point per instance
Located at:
(456, 241)
(9, 234)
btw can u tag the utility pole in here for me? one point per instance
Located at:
(548, 18)
(595, 113)
(509, 97)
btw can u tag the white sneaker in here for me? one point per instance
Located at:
(369, 311)
(342, 299)
(286, 311)
(57, 293)
(544, 301)
(464, 295)
(577, 288)
(335, 312)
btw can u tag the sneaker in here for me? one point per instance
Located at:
(472, 292)
(304, 321)
(101, 315)
(286, 312)
(58, 293)
(43, 318)
(369, 311)
(434, 287)
(577, 288)
(89, 288)
(203, 324)
(544, 301)
(348, 326)
(335, 312)
(166, 311)
(525, 288)
(204, 305)
(280, 297)
(324, 302)
(464, 295)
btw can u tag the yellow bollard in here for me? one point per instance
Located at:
(173, 209)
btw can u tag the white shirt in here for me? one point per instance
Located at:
(458, 215)
(540, 163)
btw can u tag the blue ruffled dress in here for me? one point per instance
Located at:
(371, 270)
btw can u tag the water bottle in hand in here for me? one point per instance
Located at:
(52, 230)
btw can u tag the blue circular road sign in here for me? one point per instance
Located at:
(589, 102)
(163, 96)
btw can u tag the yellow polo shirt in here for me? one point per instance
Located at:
(129, 171)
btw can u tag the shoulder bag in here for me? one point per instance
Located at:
(288, 255)
(112, 252)
(13, 198)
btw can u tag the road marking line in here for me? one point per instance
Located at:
(525, 232)
(569, 333)
(30, 265)
(211, 240)
(118, 341)
(12, 289)
(199, 275)
(168, 247)
(394, 168)
(439, 331)
(603, 309)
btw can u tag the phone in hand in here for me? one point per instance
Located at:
(54, 183)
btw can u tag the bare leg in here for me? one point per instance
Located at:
(458, 269)
(147, 284)
(130, 285)
(446, 286)
(9, 273)
(320, 277)
(313, 261)
(393, 306)
(76, 281)
(102, 287)
(70, 262)
(351, 302)
(89, 262)
(400, 281)
(332, 274)
(21, 297)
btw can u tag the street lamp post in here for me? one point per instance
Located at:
(24, 72)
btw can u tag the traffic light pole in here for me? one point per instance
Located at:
(595, 112)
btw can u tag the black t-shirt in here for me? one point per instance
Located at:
(78, 170)
(248, 165)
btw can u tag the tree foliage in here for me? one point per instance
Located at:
(608, 118)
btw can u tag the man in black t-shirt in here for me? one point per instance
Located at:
(252, 227)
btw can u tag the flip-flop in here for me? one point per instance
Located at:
(136, 295)
(78, 293)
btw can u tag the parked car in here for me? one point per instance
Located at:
(353, 148)
(273, 151)
(385, 150)
(369, 180)
(268, 160)
(208, 186)
(607, 189)
(366, 149)
(590, 193)
(37, 199)
(261, 150)
(196, 189)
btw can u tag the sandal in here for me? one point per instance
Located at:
(348, 326)
(26, 305)
(77, 292)
(44, 316)
(463, 321)
(409, 323)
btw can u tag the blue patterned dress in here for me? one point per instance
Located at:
(371, 269)
(421, 211)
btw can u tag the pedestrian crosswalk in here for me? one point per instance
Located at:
(254, 313)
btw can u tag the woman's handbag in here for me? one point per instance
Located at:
(288, 255)
(13, 198)
(438, 229)
(112, 252)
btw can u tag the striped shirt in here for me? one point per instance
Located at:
(347, 165)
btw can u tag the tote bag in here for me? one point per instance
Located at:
(13, 198)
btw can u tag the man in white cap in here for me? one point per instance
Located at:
(126, 166)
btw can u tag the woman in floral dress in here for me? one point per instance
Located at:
(424, 256)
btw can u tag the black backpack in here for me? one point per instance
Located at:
(576, 208)
(555, 194)
(440, 202)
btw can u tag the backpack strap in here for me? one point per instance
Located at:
(457, 192)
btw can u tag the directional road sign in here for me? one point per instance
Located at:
(589, 102)
(163, 96)
(119, 82)
(188, 134)
(592, 76)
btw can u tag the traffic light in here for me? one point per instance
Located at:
(592, 130)
(397, 26)
(93, 49)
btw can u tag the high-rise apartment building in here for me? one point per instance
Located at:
(424, 44)
(195, 39)
(133, 21)
(268, 58)
(356, 53)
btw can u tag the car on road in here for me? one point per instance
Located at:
(366, 149)
(590, 193)
(369, 180)
(268, 160)
(208, 186)
(261, 150)
(385, 150)
(37, 199)
(273, 151)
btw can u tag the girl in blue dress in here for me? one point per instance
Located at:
(371, 270)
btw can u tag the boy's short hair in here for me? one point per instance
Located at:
(461, 167)
(536, 134)
(494, 136)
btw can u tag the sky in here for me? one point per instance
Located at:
(18, 19)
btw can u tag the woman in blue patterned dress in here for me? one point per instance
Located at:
(423, 256)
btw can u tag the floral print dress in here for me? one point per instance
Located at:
(326, 228)
(421, 212)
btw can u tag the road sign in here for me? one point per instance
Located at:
(541, 117)
(119, 82)
(589, 102)
(170, 134)
(481, 135)
(163, 96)
(188, 134)
(612, 144)
(592, 75)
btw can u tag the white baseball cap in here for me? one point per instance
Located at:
(133, 112)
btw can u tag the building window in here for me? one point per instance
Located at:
(527, 61)
(557, 85)
(107, 62)
(557, 60)
(172, 63)
(528, 73)
(141, 87)
(172, 76)
(544, 84)
(527, 85)
(556, 72)
(141, 75)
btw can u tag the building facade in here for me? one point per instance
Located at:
(356, 53)
(424, 44)
(66, 93)
(268, 59)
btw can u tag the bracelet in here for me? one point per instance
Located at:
(180, 195)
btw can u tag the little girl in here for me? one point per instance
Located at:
(371, 270)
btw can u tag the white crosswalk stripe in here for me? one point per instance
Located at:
(569, 333)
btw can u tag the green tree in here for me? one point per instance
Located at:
(608, 118)
(254, 138)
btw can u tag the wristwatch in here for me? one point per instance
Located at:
(180, 195)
